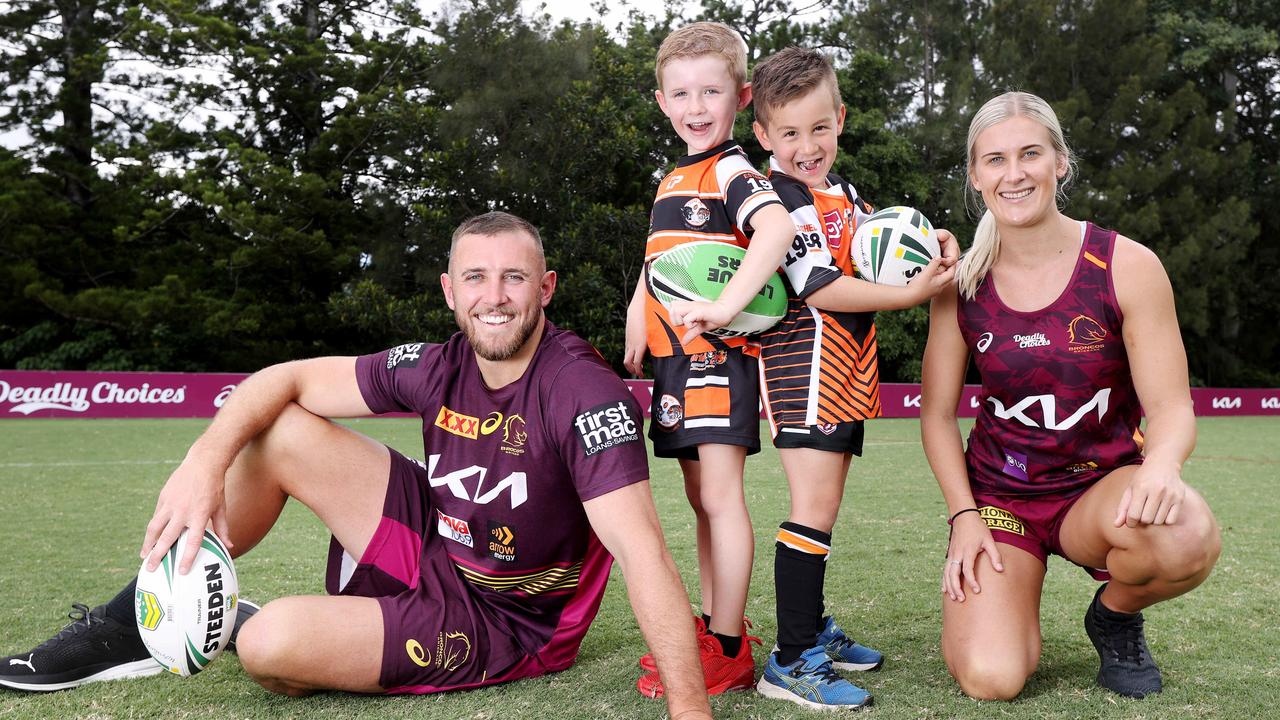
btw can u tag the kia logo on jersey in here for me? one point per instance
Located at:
(1049, 410)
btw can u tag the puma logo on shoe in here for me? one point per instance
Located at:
(27, 662)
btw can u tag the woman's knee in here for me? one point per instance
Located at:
(1190, 548)
(986, 677)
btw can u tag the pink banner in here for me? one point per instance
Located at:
(51, 394)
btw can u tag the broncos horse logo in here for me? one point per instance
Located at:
(513, 432)
(1084, 331)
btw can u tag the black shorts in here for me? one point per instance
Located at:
(845, 437)
(705, 398)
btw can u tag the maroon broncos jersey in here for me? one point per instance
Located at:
(510, 468)
(1059, 410)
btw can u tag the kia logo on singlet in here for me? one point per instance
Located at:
(1049, 410)
(516, 483)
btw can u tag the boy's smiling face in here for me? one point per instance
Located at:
(802, 135)
(701, 98)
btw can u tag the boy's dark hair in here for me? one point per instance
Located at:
(787, 75)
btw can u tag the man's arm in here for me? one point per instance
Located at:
(626, 522)
(193, 495)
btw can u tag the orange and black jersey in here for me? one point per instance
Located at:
(816, 366)
(708, 196)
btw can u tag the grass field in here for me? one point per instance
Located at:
(75, 495)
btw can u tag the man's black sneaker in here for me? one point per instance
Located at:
(90, 648)
(245, 609)
(1127, 667)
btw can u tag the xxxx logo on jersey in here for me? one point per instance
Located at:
(472, 427)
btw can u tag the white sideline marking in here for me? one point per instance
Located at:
(90, 463)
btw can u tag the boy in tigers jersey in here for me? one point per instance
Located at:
(818, 367)
(705, 394)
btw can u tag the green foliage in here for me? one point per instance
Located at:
(281, 178)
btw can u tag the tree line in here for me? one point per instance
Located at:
(218, 185)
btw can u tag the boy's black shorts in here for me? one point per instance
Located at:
(845, 437)
(711, 397)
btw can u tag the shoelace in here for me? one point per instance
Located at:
(1127, 635)
(81, 618)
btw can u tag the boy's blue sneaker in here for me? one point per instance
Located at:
(846, 654)
(811, 682)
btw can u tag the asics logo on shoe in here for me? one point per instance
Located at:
(27, 662)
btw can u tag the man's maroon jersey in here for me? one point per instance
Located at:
(510, 468)
(1059, 409)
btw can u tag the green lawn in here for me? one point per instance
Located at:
(75, 496)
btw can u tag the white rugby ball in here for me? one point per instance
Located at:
(186, 620)
(894, 245)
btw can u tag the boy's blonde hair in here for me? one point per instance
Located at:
(789, 74)
(705, 38)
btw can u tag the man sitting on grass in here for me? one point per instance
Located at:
(527, 434)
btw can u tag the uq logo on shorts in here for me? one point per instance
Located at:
(606, 426)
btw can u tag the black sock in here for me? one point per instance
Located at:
(706, 620)
(799, 570)
(1107, 613)
(120, 607)
(729, 645)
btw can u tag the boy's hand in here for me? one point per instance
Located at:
(699, 317)
(949, 245)
(634, 350)
(933, 280)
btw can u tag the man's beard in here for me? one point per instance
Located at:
(496, 350)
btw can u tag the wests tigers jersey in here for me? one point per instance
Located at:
(709, 196)
(1059, 409)
(819, 367)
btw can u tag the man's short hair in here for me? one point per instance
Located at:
(787, 75)
(705, 38)
(495, 223)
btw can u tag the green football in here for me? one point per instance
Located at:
(699, 271)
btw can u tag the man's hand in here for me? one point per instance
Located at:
(191, 497)
(626, 522)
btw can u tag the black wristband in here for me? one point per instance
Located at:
(952, 519)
